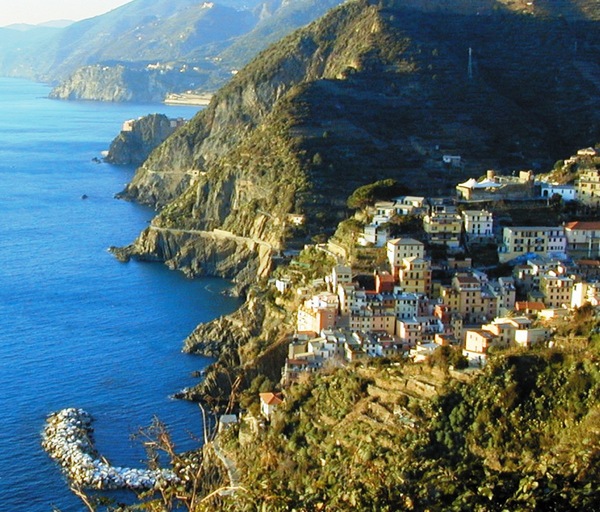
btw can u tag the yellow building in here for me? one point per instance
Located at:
(588, 187)
(399, 249)
(373, 319)
(467, 298)
(443, 228)
(415, 276)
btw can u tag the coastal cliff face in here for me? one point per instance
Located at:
(121, 84)
(114, 84)
(251, 341)
(133, 145)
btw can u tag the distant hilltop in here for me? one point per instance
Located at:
(48, 24)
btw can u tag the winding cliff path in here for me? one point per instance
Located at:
(215, 233)
(232, 472)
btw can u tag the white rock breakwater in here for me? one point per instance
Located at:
(67, 439)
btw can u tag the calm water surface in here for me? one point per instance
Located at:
(78, 328)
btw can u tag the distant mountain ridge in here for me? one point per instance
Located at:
(157, 37)
(46, 24)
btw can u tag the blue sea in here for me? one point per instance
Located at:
(78, 328)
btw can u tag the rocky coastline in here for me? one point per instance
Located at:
(67, 438)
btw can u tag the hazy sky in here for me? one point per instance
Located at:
(39, 11)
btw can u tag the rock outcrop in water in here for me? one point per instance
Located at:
(139, 137)
(67, 438)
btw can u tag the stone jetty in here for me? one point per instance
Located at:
(67, 438)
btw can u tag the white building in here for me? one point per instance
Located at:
(406, 205)
(478, 224)
(374, 234)
(567, 192)
(585, 293)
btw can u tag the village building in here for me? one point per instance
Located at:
(521, 241)
(505, 328)
(414, 276)
(467, 297)
(478, 225)
(583, 238)
(373, 318)
(341, 274)
(530, 337)
(589, 152)
(406, 305)
(505, 293)
(550, 314)
(420, 353)
(385, 209)
(283, 284)
(529, 307)
(318, 313)
(374, 234)
(585, 293)
(384, 282)
(296, 219)
(269, 403)
(399, 249)
(410, 205)
(443, 228)
(477, 344)
(566, 192)
(495, 188)
(419, 329)
(556, 290)
(588, 187)
(588, 270)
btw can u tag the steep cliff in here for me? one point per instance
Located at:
(139, 138)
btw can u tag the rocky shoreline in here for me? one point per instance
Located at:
(67, 438)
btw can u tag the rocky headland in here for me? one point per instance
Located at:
(139, 137)
(117, 84)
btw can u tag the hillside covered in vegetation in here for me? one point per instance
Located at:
(523, 435)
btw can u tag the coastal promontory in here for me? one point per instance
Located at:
(139, 137)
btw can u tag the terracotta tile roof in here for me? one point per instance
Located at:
(583, 225)
(271, 398)
(520, 306)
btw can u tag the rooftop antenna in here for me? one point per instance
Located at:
(470, 68)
